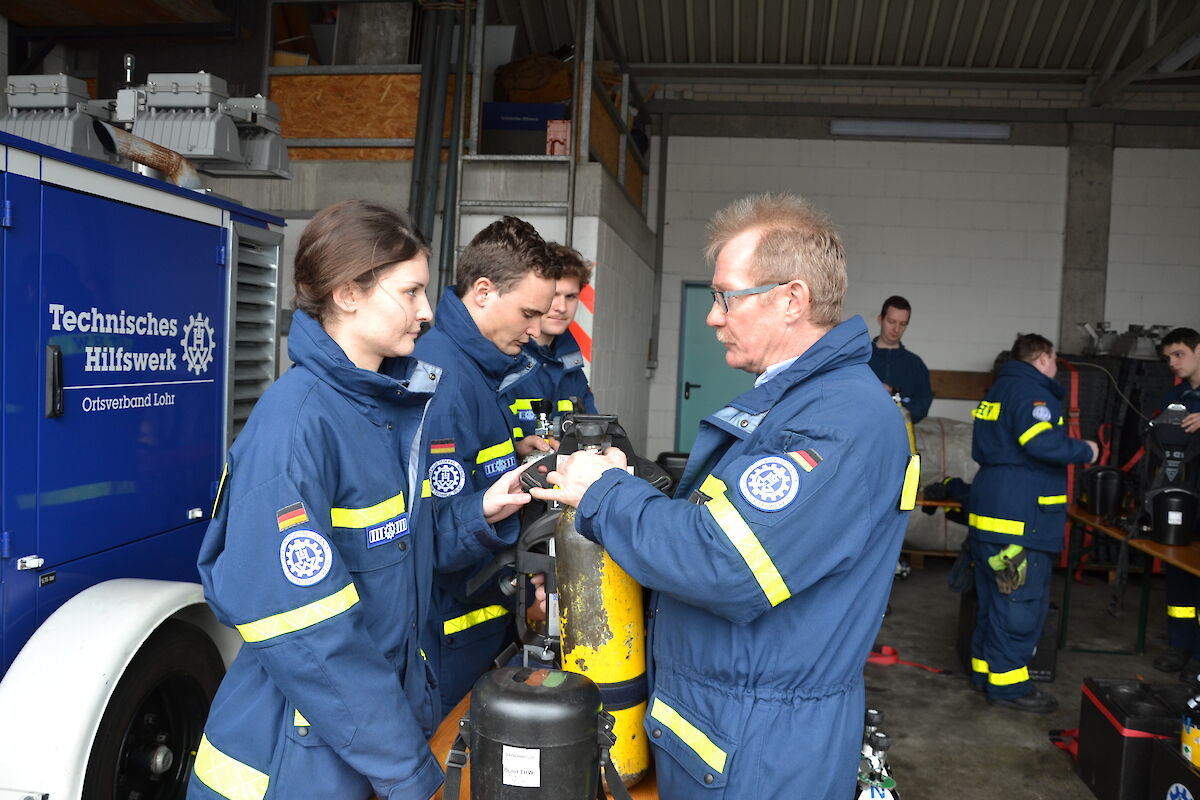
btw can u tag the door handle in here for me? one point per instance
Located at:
(687, 389)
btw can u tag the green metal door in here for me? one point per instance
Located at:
(706, 382)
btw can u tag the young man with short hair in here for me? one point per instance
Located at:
(1016, 513)
(901, 370)
(1181, 349)
(559, 376)
(504, 286)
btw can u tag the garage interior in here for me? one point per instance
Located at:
(1009, 166)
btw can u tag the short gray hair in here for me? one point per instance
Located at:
(798, 242)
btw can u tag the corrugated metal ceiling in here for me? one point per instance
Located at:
(1105, 45)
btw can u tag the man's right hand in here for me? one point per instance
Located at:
(1191, 423)
(577, 473)
(534, 443)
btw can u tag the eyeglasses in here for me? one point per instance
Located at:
(723, 297)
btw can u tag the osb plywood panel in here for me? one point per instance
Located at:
(633, 179)
(352, 106)
(605, 138)
(350, 153)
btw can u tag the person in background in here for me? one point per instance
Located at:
(1181, 348)
(901, 370)
(504, 285)
(559, 377)
(1016, 512)
(771, 569)
(320, 552)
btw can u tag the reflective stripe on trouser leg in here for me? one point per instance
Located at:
(1013, 622)
(1181, 590)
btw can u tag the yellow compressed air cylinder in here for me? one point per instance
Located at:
(604, 638)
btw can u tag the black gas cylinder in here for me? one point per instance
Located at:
(1103, 491)
(534, 735)
(1173, 516)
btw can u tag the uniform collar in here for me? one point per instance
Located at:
(843, 345)
(563, 349)
(456, 323)
(876, 348)
(1026, 371)
(312, 348)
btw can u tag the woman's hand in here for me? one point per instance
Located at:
(504, 496)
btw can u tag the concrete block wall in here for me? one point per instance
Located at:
(971, 234)
(1154, 239)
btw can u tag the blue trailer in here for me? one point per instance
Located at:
(139, 327)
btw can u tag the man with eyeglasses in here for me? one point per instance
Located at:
(771, 568)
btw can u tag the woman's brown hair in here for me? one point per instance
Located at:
(348, 241)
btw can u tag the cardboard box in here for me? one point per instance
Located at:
(558, 137)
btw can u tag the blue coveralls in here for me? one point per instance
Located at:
(471, 446)
(1019, 496)
(320, 553)
(559, 376)
(906, 373)
(1182, 587)
(771, 583)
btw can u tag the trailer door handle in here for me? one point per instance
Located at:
(54, 381)
(687, 389)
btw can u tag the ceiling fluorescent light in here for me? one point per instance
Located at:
(919, 129)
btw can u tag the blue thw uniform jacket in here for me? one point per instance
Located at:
(559, 376)
(470, 447)
(320, 553)
(1019, 495)
(770, 585)
(1182, 394)
(905, 372)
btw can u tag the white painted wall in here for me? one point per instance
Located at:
(1154, 239)
(971, 234)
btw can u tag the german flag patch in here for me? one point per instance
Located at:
(807, 459)
(295, 514)
(441, 447)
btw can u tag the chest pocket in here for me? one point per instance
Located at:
(375, 536)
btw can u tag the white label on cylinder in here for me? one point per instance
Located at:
(1174, 517)
(522, 766)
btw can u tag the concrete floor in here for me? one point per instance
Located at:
(947, 742)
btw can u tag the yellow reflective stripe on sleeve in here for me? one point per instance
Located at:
(978, 665)
(1181, 612)
(473, 618)
(1012, 527)
(298, 720)
(744, 541)
(987, 411)
(426, 488)
(1060, 420)
(912, 479)
(566, 405)
(689, 734)
(366, 517)
(220, 489)
(228, 777)
(518, 433)
(1018, 675)
(1051, 499)
(1040, 427)
(495, 451)
(300, 618)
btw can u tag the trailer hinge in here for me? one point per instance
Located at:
(6, 215)
(5, 544)
(222, 255)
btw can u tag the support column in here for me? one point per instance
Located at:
(1085, 237)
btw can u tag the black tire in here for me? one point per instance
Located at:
(161, 702)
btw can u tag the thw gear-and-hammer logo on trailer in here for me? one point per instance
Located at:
(198, 343)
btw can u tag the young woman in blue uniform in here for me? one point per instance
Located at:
(320, 552)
